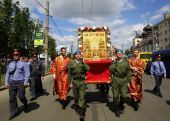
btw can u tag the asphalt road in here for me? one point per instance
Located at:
(47, 108)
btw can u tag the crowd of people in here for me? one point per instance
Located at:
(126, 77)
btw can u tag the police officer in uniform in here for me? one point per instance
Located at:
(36, 72)
(120, 74)
(16, 79)
(159, 71)
(77, 70)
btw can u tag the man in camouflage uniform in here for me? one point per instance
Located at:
(77, 70)
(120, 74)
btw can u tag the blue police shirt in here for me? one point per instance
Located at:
(21, 73)
(158, 68)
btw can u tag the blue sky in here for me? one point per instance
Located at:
(123, 17)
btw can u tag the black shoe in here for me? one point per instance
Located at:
(82, 113)
(63, 107)
(64, 104)
(135, 106)
(13, 116)
(122, 107)
(117, 113)
(81, 119)
(26, 108)
(117, 110)
(160, 95)
(33, 98)
(73, 106)
(87, 106)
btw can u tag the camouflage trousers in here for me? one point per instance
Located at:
(79, 92)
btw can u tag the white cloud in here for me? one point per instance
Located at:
(159, 13)
(145, 15)
(100, 8)
(124, 35)
(81, 21)
(104, 12)
(73, 8)
(117, 22)
(65, 41)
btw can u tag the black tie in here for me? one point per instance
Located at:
(160, 69)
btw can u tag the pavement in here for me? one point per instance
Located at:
(47, 107)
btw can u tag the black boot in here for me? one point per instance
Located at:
(82, 113)
(135, 105)
(26, 108)
(121, 106)
(75, 107)
(64, 103)
(117, 111)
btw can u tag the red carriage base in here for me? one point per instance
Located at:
(99, 71)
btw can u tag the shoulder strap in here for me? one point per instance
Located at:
(12, 72)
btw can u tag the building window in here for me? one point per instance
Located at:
(165, 32)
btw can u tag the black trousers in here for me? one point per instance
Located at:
(158, 82)
(105, 89)
(16, 88)
(36, 86)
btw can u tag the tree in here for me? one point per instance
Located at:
(129, 51)
(6, 10)
(52, 48)
(17, 30)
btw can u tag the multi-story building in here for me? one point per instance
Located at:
(161, 33)
(155, 37)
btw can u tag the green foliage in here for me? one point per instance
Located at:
(17, 30)
(129, 51)
(52, 51)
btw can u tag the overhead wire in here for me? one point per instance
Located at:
(56, 26)
(58, 40)
(91, 8)
(40, 4)
(58, 29)
(82, 10)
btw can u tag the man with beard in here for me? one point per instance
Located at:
(59, 69)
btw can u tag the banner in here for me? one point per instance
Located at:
(94, 45)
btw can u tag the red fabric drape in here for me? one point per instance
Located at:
(99, 71)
